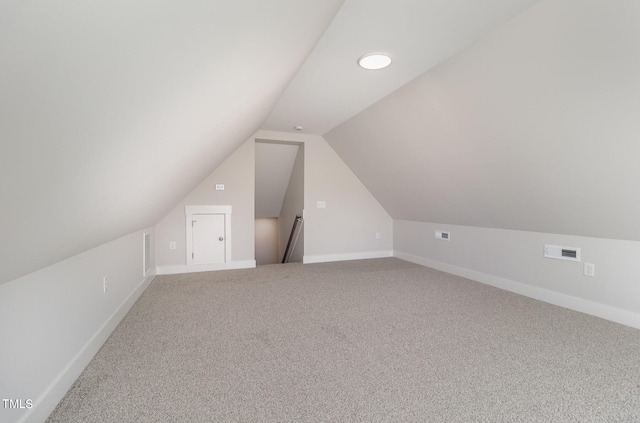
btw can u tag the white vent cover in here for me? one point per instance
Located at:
(443, 235)
(562, 253)
(146, 254)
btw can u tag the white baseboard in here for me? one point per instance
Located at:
(347, 256)
(625, 317)
(173, 270)
(54, 393)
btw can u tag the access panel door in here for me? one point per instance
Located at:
(209, 240)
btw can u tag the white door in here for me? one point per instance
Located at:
(208, 238)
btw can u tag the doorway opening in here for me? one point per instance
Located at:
(279, 199)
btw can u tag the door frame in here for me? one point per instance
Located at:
(190, 211)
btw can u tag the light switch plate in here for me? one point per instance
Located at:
(322, 204)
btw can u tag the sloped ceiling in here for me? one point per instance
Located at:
(418, 34)
(536, 127)
(110, 112)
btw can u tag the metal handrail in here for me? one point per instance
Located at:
(287, 254)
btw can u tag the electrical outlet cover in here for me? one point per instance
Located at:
(589, 269)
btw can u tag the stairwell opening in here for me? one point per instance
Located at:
(279, 198)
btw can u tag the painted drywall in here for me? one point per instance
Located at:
(292, 206)
(274, 163)
(346, 228)
(514, 260)
(53, 321)
(330, 87)
(237, 176)
(533, 128)
(266, 241)
(111, 112)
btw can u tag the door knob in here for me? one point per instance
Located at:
(221, 239)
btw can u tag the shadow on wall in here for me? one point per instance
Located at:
(279, 189)
(267, 241)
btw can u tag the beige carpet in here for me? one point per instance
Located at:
(364, 341)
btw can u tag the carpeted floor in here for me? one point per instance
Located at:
(363, 341)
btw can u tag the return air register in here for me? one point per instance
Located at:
(443, 235)
(562, 253)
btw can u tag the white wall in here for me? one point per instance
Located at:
(274, 163)
(53, 321)
(346, 229)
(267, 240)
(513, 260)
(293, 205)
(237, 175)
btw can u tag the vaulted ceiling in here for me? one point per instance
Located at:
(330, 87)
(112, 111)
(513, 114)
(535, 128)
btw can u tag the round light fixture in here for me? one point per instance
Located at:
(374, 61)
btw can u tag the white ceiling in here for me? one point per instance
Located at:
(533, 128)
(418, 34)
(111, 112)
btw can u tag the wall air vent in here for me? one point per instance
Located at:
(446, 236)
(562, 253)
(146, 253)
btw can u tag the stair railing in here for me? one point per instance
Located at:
(295, 231)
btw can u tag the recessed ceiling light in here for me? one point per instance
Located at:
(374, 61)
(298, 128)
